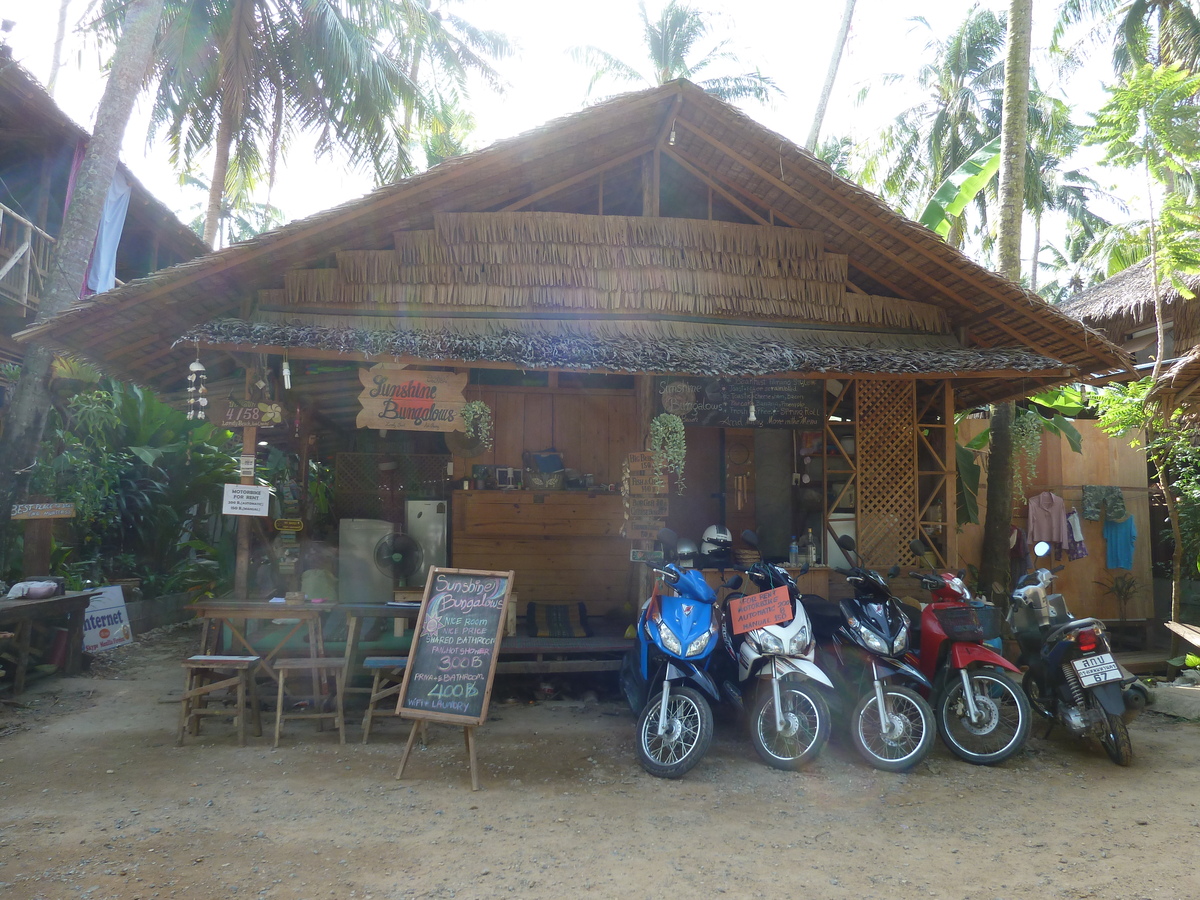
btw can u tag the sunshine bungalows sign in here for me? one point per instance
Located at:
(399, 399)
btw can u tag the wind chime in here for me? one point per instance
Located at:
(197, 390)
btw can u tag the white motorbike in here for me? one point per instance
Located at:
(769, 673)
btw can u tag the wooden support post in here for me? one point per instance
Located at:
(241, 576)
(469, 735)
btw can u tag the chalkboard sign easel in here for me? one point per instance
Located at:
(452, 660)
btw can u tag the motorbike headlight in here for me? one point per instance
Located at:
(901, 642)
(767, 643)
(871, 639)
(801, 643)
(696, 647)
(667, 636)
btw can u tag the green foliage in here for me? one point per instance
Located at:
(960, 188)
(477, 417)
(1150, 120)
(1044, 413)
(143, 477)
(1122, 586)
(669, 446)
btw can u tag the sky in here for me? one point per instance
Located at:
(788, 40)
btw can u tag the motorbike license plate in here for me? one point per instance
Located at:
(1098, 669)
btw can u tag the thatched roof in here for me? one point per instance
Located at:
(34, 131)
(1124, 304)
(558, 225)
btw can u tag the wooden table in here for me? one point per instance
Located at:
(233, 614)
(356, 613)
(22, 613)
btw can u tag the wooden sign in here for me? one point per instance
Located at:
(759, 610)
(247, 413)
(655, 506)
(453, 656)
(725, 402)
(43, 511)
(396, 398)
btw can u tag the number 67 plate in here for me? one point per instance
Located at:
(1098, 669)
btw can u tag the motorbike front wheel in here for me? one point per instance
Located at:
(805, 729)
(1115, 739)
(688, 733)
(897, 739)
(1004, 717)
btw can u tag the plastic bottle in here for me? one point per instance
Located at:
(794, 553)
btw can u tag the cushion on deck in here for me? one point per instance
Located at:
(557, 620)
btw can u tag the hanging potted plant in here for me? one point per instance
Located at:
(477, 419)
(669, 446)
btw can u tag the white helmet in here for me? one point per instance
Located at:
(717, 540)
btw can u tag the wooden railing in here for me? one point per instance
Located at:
(24, 260)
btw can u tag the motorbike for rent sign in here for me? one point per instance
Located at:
(106, 624)
(396, 398)
(771, 607)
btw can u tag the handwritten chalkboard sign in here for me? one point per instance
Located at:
(725, 402)
(453, 657)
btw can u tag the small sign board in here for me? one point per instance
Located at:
(289, 524)
(246, 466)
(654, 557)
(106, 624)
(43, 511)
(246, 413)
(760, 610)
(246, 500)
(453, 656)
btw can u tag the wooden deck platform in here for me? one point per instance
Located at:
(523, 655)
(1144, 662)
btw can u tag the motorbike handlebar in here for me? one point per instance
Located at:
(666, 575)
(842, 571)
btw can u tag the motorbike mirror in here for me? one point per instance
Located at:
(893, 571)
(734, 582)
(918, 549)
(750, 538)
(846, 542)
(1041, 548)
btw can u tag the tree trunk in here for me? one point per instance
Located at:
(993, 565)
(216, 189)
(26, 416)
(835, 61)
(60, 35)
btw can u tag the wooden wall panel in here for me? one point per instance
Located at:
(593, 430)
(509, 422)
(568, 438)
(623, 436)
(539, 418)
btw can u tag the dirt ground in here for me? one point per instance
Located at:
(97, 802)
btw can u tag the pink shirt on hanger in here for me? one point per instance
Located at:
(1047, 519)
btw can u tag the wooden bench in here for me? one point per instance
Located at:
(320, 667)
(205, 675)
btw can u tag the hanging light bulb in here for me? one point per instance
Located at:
(752, 418)
(671, 136)
(286, 370)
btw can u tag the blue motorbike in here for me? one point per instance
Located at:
(677, 634)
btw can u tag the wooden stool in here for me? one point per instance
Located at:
(318, 666)
(389, 671)
(207, 674)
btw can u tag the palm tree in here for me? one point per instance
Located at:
(25, 418)
(243, 77)
(671, 42)
(930, 140)
(1159, 32)
(835, 59)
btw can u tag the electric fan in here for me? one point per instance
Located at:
(399, 556)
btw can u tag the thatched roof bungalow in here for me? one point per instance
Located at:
(577, 274)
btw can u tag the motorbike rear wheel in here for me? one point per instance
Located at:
(1003, 728)
(806, 727)
(909, 736)
(1033, 691)
(688, 733)
(1115, 739)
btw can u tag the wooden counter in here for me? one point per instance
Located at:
(23, 613)
(565, 546)
(814, 581)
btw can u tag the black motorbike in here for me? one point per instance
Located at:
(861, 643)
(1073, 678)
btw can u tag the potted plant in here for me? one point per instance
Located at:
(477, 421)
(669, 447)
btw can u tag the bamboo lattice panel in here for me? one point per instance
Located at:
(887, 466)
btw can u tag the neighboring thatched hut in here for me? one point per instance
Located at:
(1122, 308)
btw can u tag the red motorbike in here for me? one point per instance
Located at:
(982, 714)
